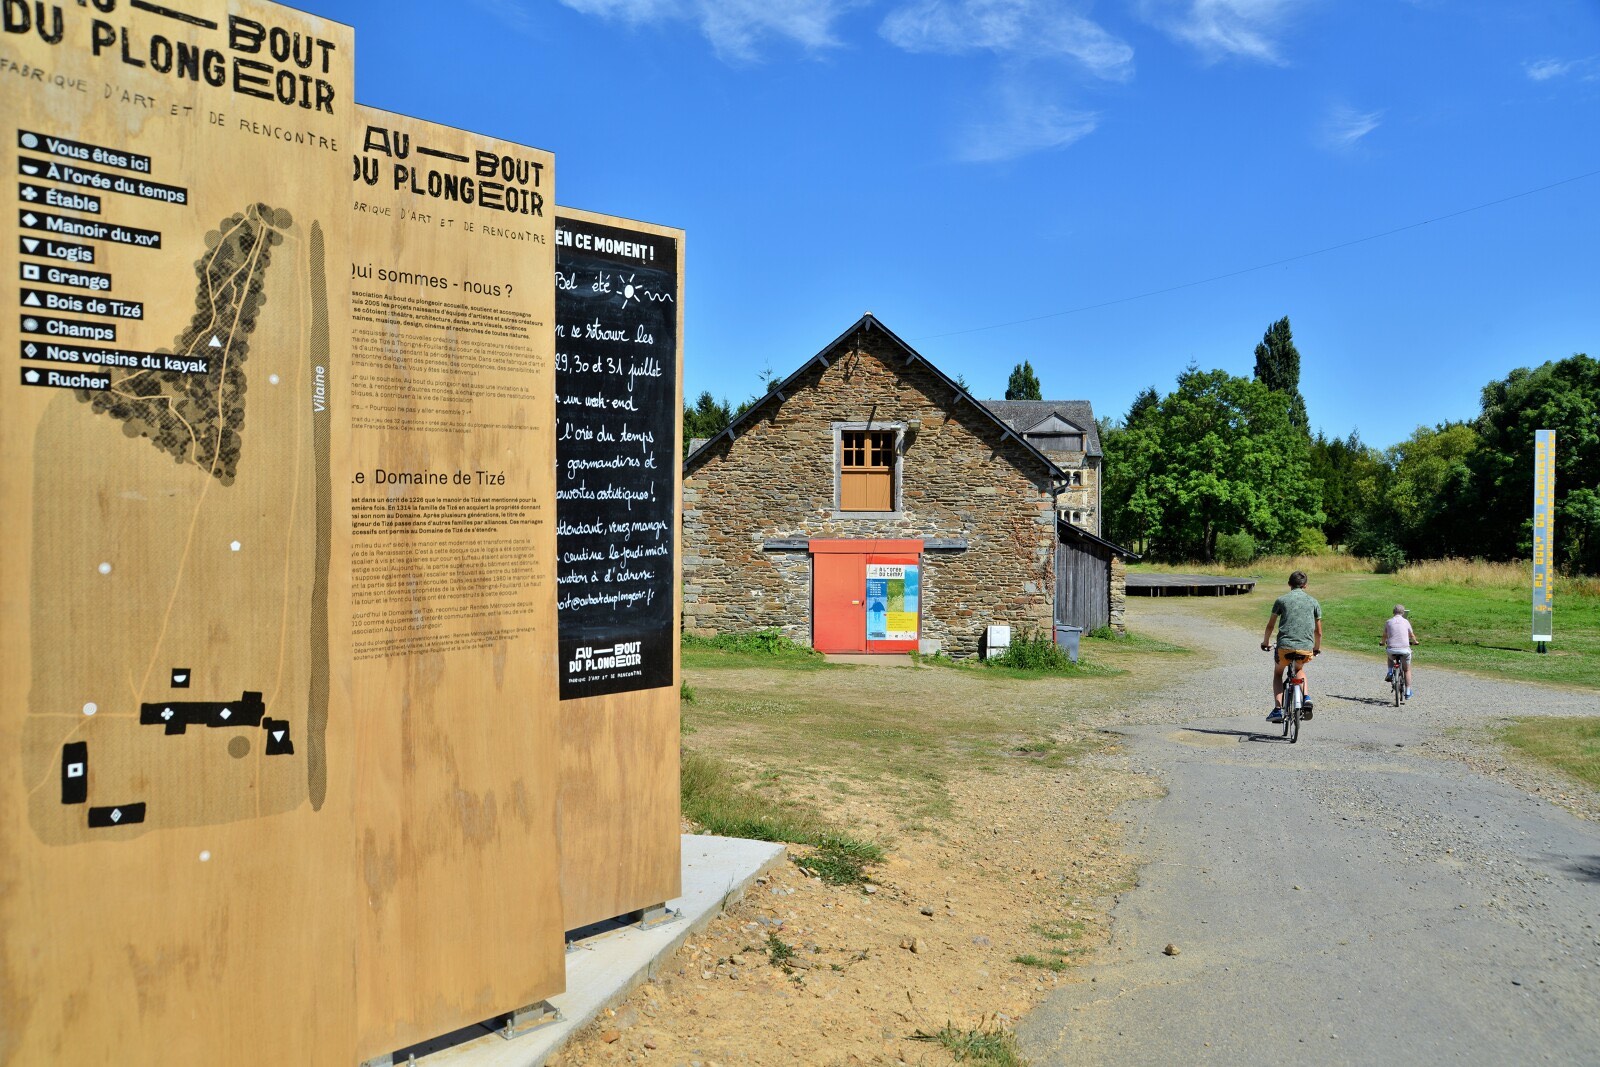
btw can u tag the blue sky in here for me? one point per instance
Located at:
(995, 179)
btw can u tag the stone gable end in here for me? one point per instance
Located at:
(961, 480)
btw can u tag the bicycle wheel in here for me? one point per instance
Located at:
(1399, 685)
(1291, 718)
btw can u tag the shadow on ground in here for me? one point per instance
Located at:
(1373, 701)
(1242, 735)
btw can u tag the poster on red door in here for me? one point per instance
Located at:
(892, 601)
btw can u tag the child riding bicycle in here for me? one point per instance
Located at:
(1398, 637)
(1298, 617)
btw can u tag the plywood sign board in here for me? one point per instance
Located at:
(175, 794)
(618, 424)
(447, 478)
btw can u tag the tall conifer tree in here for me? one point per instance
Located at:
(1278, 368)
(1023, 384)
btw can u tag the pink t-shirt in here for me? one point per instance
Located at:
(1397, 634)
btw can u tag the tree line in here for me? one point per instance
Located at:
(1225, 467)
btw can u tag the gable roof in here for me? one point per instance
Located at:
(1055, 424)
(1025, 416)
(868, 323)
(1066, 531)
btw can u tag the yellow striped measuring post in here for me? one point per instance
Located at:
(1544, 529)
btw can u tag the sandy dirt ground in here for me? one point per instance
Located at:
(1028, 866)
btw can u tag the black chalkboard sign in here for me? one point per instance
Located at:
(616, 459)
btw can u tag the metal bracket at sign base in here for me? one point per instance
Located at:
(525, 1020)
(653, 916)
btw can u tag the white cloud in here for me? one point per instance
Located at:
(1222, 28)
(1545, 69)
(1344, 126)
(1026, 28)
(1020, 122)
(738, 25)
(511, 12)
(1542, 70)
(633, 11)
(1022, 34)
(736, 28)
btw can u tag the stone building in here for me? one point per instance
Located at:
(1065, 431)
(869, 503)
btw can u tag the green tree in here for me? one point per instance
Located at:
(1023, 383)
(1228, 461)
(1147, 402)
(1578, 530)
(1427, 495)
(1130, 448)
(707, 417)
(1349, 473)
(1563, 396)
(1278, 368)
(1132, 509)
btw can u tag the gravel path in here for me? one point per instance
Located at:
(1380, 892)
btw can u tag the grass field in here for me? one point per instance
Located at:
(779, 728)
(1468, 616)
(1572, 746)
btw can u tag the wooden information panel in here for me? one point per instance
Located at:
(175, 794)
(447, 475)
(619, 391)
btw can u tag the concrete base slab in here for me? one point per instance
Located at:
(603, 968)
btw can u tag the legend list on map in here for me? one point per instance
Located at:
(69, 330)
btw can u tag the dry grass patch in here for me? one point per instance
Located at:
(1328, 563)
(980, 1047)
(838, 740)
(1570, 745)
(1482, 574)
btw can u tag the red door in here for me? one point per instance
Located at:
(839, 621)
(838, 602)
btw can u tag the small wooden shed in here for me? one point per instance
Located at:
(1091, 579)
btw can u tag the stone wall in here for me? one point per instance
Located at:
(960, 480)
(1079, 503)
(1119, 595)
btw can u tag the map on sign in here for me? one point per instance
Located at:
(191, 405)
(179, 601)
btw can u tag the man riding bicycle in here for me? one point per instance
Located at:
(1398, 637)
(1298, 617)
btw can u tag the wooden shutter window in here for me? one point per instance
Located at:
(866, 470)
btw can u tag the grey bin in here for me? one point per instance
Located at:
(1067, 638)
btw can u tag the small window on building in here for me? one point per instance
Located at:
(866, 470)
(1077, 477)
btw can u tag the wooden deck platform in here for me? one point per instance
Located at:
(1187, 585)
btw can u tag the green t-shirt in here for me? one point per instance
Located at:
(1297, 612)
